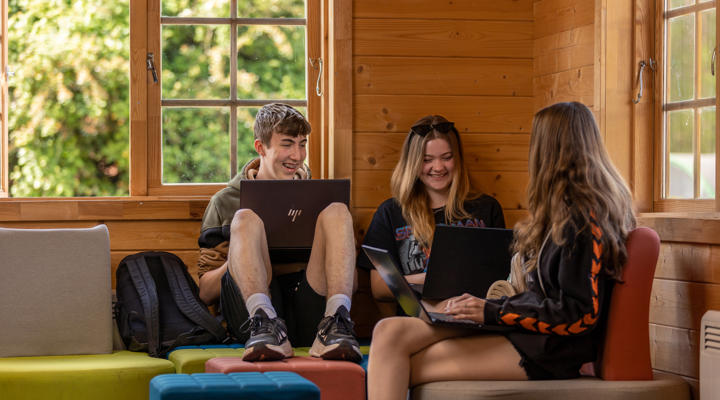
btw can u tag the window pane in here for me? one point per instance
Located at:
(707, 153)
(271, 62)
(196, 8)
(271, 8)
(681, 55)
(246, 137)
(672, 4)
(68, 101)
(196, 145)
(707, 44)
(195, 62)
(681, 126)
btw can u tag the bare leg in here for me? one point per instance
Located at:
(394, 341)
(331, 268)
(248, 258)
(477, 357)
(407, 351)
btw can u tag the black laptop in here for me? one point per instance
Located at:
(466, 260)
(407, 299)
(289, 210)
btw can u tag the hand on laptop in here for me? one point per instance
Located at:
(466, 306)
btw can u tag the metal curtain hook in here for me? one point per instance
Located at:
(643, 64)
(712, 62)
(317, 63)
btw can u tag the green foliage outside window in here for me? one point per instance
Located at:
(68, 109)
(69, 97)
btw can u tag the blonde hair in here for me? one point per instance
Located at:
(571, 181)
(409, 191)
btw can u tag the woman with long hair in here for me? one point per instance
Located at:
(568, 253)
(430, 186)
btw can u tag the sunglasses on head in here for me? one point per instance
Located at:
(424, 129)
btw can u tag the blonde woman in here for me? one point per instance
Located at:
(569, 251)
(430, 186)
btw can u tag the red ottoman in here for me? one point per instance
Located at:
(337, 380)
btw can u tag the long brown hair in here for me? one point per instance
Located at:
(409, 191)
(571, 179)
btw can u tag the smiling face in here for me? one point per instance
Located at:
(438, 167)
(282, 157)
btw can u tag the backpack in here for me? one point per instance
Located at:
(158, 307)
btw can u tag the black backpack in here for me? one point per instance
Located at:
(158, 307)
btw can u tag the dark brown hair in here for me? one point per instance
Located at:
(279, 118)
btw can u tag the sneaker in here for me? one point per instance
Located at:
(335, 339)
(268, 338)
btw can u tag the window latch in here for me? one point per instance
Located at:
(317, 63)
(712, 62)
(151, 66)
(643, 64)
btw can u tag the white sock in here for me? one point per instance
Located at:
(334, 302)
(260, 300)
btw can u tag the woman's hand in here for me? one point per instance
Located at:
(466, 306)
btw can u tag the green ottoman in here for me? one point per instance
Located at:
(191, 359)
(118, 376)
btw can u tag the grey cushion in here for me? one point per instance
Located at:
(664, 386)
(55, 292)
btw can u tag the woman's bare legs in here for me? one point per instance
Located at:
(477, 357)
(408, 350)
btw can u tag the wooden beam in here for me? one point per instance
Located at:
(138, 97)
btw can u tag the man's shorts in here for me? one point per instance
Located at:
(294, 301)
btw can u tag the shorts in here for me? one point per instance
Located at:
(293, 299)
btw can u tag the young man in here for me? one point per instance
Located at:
(313, 296)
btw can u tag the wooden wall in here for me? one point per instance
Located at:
(687, 284)
(563, 51)
(470, 61)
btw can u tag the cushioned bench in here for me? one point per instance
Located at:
(238, 386)
(661, 388)
(118, 376)
(56, 316)
(337, 380)
(623, 370)
(191, 359)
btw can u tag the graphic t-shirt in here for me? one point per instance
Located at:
(389, 230)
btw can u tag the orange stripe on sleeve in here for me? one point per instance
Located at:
(561, 329)
(529, 324)
(509, 318)
(576, 328)
(543, 327)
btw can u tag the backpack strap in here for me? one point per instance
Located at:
(145, 285)
(187, 302)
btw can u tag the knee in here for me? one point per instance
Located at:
(335, 212)
(388, 330)
(245, 220)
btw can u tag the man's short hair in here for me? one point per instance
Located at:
(279, 118)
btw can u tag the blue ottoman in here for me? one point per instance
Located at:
(236, 386)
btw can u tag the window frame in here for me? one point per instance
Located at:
(4, 173)
(146, 133)
(661, 203)
(330, 145)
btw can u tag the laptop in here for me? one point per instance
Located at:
(289, 209)
(407, 299)
(466, 260)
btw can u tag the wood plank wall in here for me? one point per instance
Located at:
(563, 51)
(470, 61)
(687, 284)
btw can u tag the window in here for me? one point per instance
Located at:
(216, 62)
(3, 100)
(689, 138)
